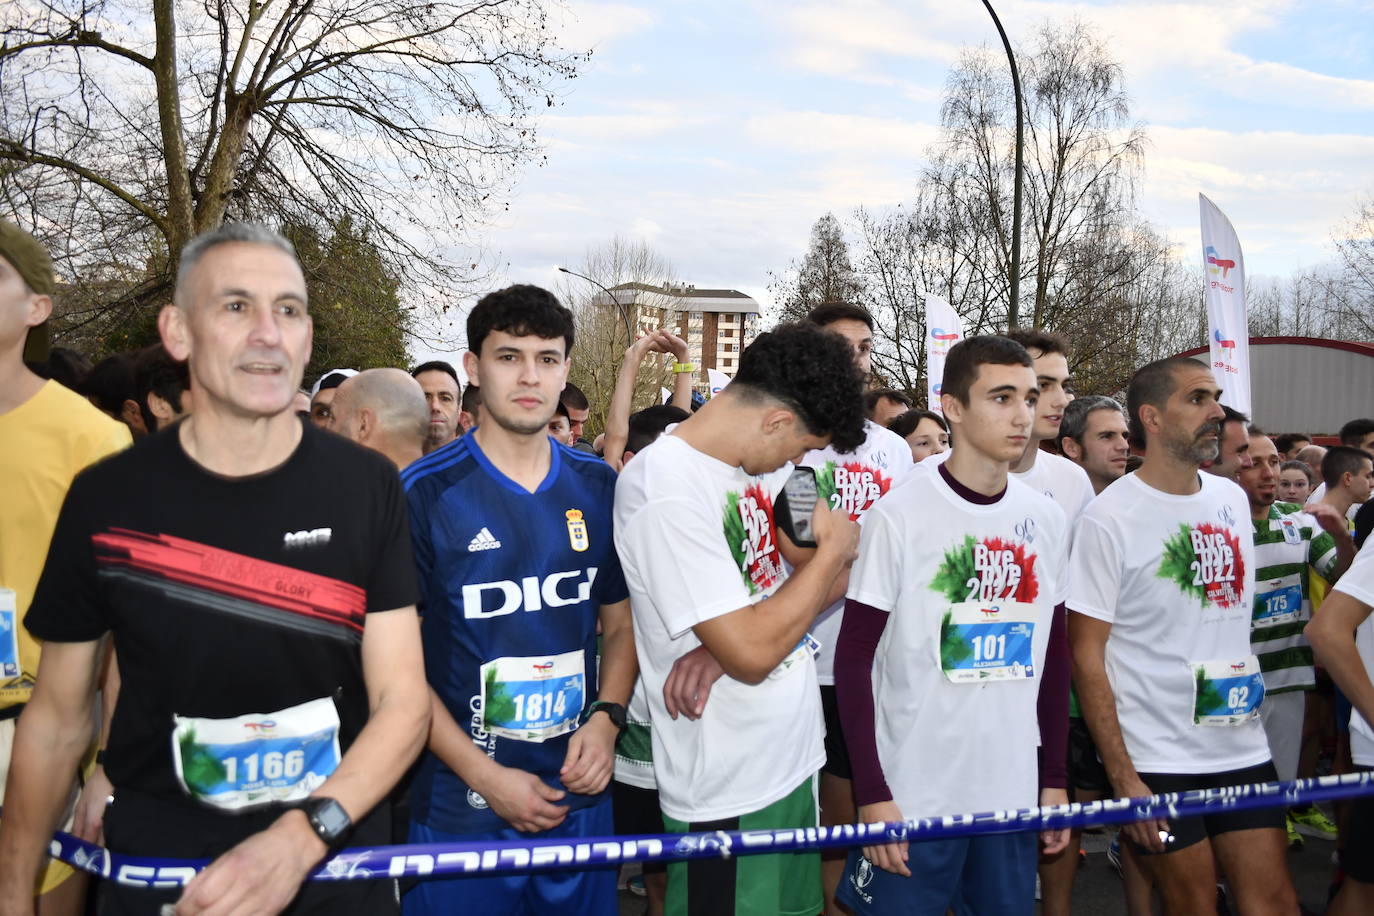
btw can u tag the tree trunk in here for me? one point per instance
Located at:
(180, 226)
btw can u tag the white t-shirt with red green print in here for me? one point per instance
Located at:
(970, 590)
(1175, 577)
(854, 482)
(697, 540)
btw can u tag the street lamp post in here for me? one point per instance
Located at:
(1014, 309)
(629, 330)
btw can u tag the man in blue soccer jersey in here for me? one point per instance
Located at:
(513, 541)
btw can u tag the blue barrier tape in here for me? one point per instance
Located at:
(455, 859)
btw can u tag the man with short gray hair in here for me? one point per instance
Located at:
(247, 601)
(384, 410)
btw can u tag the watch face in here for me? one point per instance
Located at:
(331, 819)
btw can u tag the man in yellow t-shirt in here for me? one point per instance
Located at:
(49, 435)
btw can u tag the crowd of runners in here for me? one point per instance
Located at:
(247, 622)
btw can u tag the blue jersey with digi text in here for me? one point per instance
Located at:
(511, 584)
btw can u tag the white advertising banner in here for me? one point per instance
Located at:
(1228, 336)
(944, 329)
(717, 380)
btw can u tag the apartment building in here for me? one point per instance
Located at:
(716, 323)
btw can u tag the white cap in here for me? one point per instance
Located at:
(333, 382)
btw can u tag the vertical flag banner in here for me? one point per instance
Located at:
(944, 329)
(717, 380)
(1228, 328)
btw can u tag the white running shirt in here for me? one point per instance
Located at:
(1175, 577)
(1358, 583)
(955, 747)
(857, 480)
(1062, 481)
(697, 540)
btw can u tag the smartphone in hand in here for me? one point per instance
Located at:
(797, 502)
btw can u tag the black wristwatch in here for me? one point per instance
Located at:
(327, 818)
(614, 710)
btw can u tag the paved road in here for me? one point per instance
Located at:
(1097, 890)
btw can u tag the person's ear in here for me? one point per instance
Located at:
(952, 408)
(160, 408)
(176, 337)
(40, 309)
(131, 415)
(776, 420)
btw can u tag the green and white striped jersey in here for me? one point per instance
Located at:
(1286, 543)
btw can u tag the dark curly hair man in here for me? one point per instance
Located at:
(697, 539)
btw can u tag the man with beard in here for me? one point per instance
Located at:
(1161, 590)
(1233, 447)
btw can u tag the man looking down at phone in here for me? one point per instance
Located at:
(696, 528)
(853, 482)
(952, 649)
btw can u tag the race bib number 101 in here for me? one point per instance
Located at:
(257, 759)
(988, 641)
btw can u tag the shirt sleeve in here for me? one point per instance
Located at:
(68, 605)
(1052, 706)
(685, 564)
(610, 577)
(1358, 581)
(391, 581)
(422, 544)
(1094, 571)
(1321, 553)
(876, 576)
(858, 642)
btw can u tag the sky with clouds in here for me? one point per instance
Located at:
(718, 132)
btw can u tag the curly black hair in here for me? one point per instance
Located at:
(522, 310)
(812, 372)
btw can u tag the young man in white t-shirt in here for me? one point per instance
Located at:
(853, 482)
(1162, 585)
(696, 530)
(1054, 475)
(1342, 636)
(952, 660)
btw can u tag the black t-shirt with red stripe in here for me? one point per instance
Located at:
(226, 597)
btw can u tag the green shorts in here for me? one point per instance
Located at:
(785, 884)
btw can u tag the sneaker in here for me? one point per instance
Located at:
(1294, 838)
(1114, 854)
(636, 886)
(1313, 822)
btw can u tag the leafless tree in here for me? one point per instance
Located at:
(123, 135)
(600, 343)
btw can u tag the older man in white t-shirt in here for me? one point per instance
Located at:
(1161, 589)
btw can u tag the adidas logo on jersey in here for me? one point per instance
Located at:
(484, 540)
